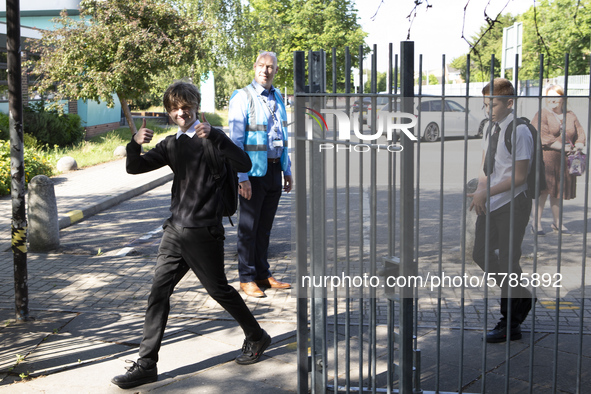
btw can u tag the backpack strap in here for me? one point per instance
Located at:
(509, 133)
(213, 162)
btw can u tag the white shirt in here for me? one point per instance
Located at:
(190, 133)
(503, 161)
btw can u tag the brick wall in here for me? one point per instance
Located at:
(91, 131)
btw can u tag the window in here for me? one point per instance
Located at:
(454, 107)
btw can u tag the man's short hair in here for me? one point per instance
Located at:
(501, 87)
(267, 53)
(181, 94)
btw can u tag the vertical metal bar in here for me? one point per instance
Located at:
(361, 254)
(391, 226)
(318, 233)
(406, 223)
(394, 179)
(512, 245)
(335, 226)
(463, 229)
(301, 220)
(539, 158)
(393, 221)
(584, 257)
(440, 259)
(561, 206)
(17, 162)
(487, 245)
(348, 234)
(315, 341)
(417, 377)
(373, 208)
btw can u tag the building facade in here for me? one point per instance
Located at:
(38, 15)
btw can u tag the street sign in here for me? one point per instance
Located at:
(512, 45)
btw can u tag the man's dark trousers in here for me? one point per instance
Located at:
(201, 250)
(256, 222)
(500, 238)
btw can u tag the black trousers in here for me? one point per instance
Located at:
(201, 250)
(256, 222)
(500, 238)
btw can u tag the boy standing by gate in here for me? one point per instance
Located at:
(497, 165)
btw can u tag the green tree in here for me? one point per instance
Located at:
(227, 36)
(285, 26)
(118, 46)
(554, 29)
(382, 83)
(487, 42)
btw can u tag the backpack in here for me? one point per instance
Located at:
(219, 166)
(535, 165)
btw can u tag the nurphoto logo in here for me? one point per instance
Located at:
(387, 124)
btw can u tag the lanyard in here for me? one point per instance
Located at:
(267, 105)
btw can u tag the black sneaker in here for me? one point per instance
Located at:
(499, 333)
(136, 375)
(252, 351)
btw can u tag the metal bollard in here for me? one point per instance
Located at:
(42, 214)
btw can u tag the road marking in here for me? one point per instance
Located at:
(124, 252)
(562, 305)
(128, 249)
(151, 233)
(75, 215)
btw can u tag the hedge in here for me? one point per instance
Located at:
(36, 163)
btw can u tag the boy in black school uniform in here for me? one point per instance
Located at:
(500, 173)
(193, 235)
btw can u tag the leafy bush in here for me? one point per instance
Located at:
(36, 163)
(52, 128)
(4, 127)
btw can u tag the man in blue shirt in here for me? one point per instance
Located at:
(258, 124)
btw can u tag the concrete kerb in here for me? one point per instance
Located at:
(77, 215)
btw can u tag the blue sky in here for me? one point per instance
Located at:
(435, 31)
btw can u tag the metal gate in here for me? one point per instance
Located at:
(388, 297)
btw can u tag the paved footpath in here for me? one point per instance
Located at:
(89, 311)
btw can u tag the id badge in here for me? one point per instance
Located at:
(277, 143)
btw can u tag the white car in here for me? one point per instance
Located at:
(430, 112)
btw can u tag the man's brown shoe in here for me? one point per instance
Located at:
(251, 289)
(272, 283)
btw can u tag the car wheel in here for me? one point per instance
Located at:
(431, 133)
(481, 128)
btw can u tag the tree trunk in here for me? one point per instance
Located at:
(127, 113)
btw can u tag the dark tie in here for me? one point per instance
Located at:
(492, 150)
(180, 158)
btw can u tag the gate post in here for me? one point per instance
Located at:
(408, 265)
(299, 72)
(318, 308)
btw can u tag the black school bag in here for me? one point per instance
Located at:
(536, 165)
(219, 166)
